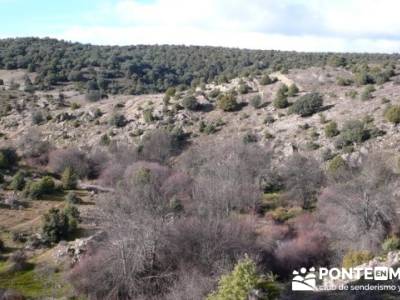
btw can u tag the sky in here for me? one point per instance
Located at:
(301, 25)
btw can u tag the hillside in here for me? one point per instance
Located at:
(148, 172)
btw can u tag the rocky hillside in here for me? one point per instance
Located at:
(69, 119)
(248, 174)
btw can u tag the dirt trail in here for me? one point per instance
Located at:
(284, 79)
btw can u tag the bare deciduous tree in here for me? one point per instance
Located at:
(303, 179)
(149, 248)
(34, 146)
(360, 212)
(60, 159)
(227, 175)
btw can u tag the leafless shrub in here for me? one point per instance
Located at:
(123, 153)
(303, 179)
(112, 174)
(34, 147)
(208, 245)
(149, 248)
(177, 184)
(75, 159)
(192, 285)
(360, 212)
(227, 175)
(159, 145)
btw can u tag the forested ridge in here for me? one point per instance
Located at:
(148, 69)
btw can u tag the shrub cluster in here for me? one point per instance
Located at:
(36, 189)
(8, 158)
(190, 103)
(307, 105)
(353, 131)
(18, 181)
(241, 281)
(280, 100)
(265, 80)
(331, 129)
(58, 225)
(69, 179)
(293, 90)
(392, 114)
(118, 120)
(228, 102)
(356, 258)
(367, 92)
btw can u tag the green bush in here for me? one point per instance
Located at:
(118, 120)
(190, 103)
(343, 81)
(353, 131)
(331, 129)
(282, 214)
(48, 185)
(266, 80)
(72, 198)
(337, 61)
(356, 258)
(250, 138)
(176, 205)
(282, 91)
(228, 102)
(392, 114)
(337, 165)
(8, 158)
(170, 92)
(105, 140)
(148, 115)
(244, 89)
(293, 90)
(352, 94)
(93, 95)
(58, 225)
(38, 117)
(281, 102)
(363, 78)
(18, 181)
(307, 105)
(214, 93)
(35, 190)
(391, 243)
(256, 101)
(241, 281)
(209, 128)
(367, 92)
(327, 154)
(69, 179)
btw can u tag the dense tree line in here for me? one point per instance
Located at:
(145, 69)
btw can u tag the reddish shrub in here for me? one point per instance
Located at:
(178, 184)
(308, 247)
(112, 174)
